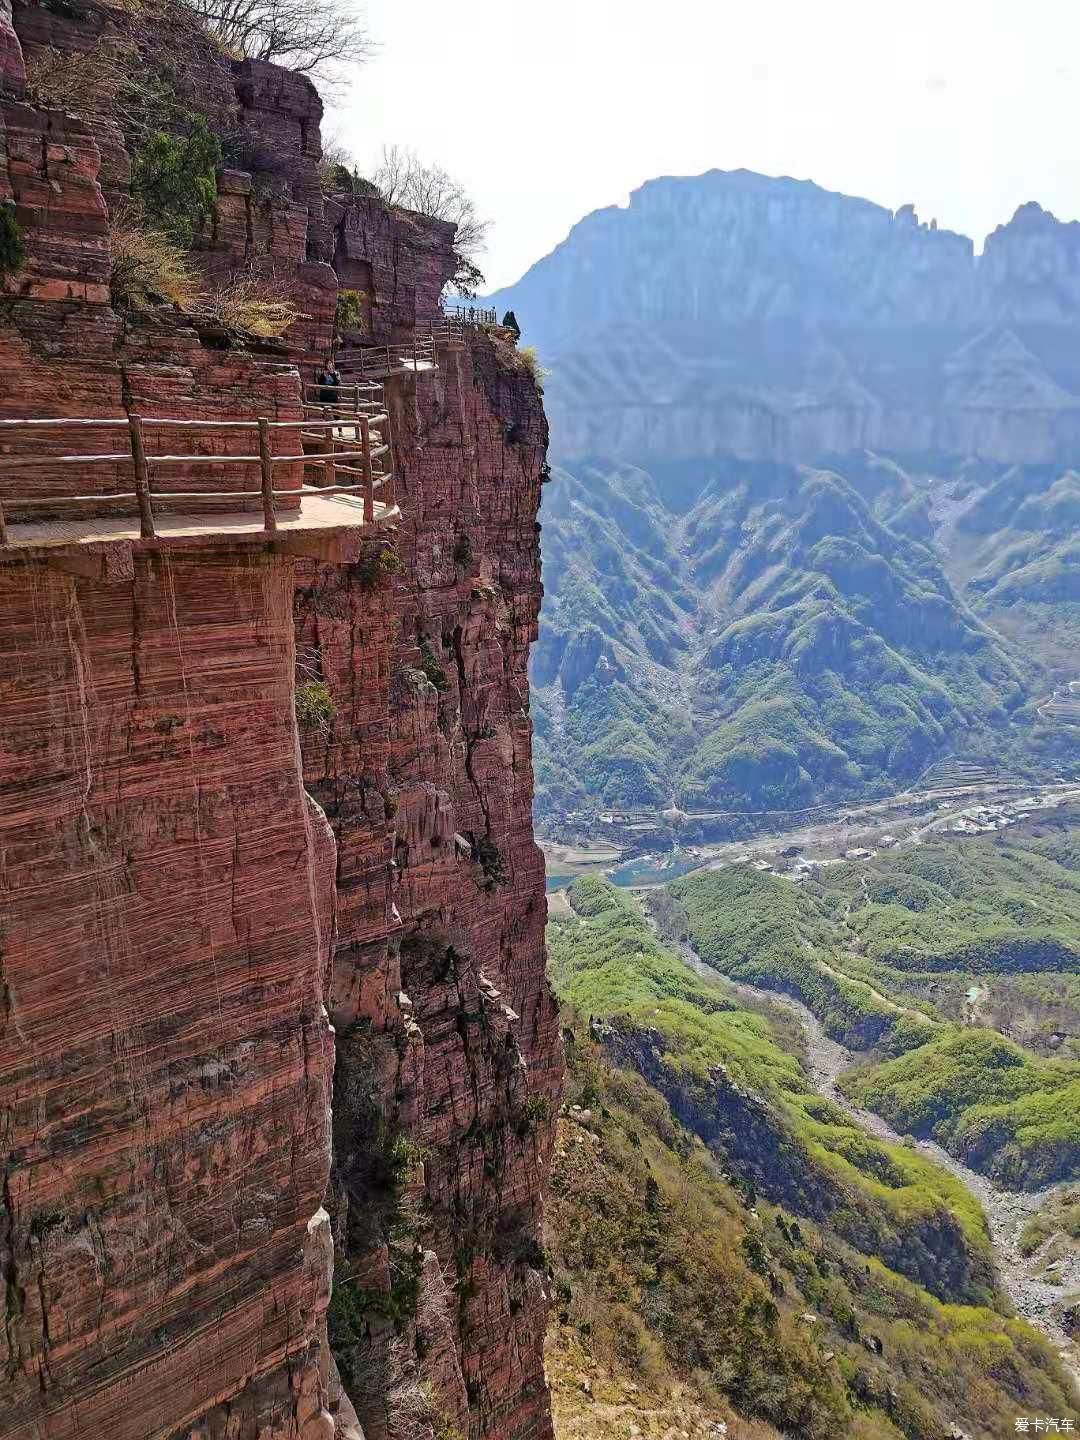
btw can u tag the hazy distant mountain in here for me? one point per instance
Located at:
(733, 313)
(808, 449)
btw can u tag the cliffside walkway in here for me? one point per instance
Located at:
(332, 470)
(345, 447)
(418, 354)
(476, 316)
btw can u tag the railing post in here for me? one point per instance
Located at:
(369, 479)
(266, 468)
(329, 469)
(142, 478)
(389, 485)
(415, 356)
(3, 527)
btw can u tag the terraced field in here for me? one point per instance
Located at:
(1063, 708)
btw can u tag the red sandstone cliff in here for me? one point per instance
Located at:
(11, 63)
(210, 919)
(438, 989)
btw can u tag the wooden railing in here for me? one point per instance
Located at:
(388, 359)
(470, 314)
(414, 354)
(348, 399)
(361, 438)
(449, 330)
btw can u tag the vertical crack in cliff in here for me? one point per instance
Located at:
(14, 1294)
(341, 243)
(5, 989)
(44, 1366)
(457, 646)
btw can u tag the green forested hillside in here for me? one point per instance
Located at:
(714, 1052)
(1016, 546)
(955, 967)
(740, 1279)
(736, 635)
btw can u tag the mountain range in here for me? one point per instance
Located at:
(772, 319)
(813, 520)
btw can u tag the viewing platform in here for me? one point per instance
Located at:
(77, 487)
(417, 355)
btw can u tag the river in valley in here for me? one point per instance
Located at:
(1007, 1211)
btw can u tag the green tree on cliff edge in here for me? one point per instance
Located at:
(174, 179)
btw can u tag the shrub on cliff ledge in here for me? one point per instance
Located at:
(314, 705)
(81, 82)
(249, 305)
(12, 244)
(137, 91)
(376, 567)
(147, 267)
(530, 363)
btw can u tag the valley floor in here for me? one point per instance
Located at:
(825, 832)
(1007, 1211)
(739, 1250)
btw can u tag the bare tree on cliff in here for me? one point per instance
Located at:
(404, 180)
(315, 37)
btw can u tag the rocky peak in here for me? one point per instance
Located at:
(771, 318)
(737, 248)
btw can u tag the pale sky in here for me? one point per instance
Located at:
(547, 109)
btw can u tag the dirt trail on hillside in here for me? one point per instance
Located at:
(1007, 1211)
(879, 995)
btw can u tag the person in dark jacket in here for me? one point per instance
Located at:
(328, 380)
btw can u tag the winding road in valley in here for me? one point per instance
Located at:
(1007, 1211)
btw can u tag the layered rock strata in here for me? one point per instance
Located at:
(278, 1060)
(441, 970)
(165, 1057)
